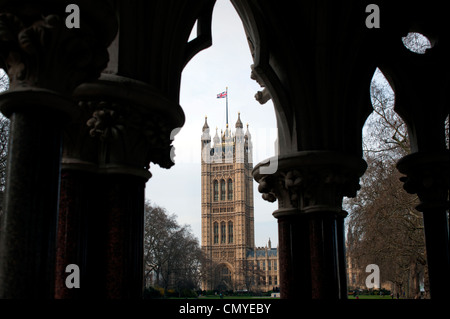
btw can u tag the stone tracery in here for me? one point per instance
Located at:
(319, 87)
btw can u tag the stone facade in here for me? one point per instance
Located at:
(228, 237)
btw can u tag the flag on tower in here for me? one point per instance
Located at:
(222, 95)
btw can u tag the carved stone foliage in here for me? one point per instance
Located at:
(311, 181)
(121, 129)
(105, 122)
(39, 51)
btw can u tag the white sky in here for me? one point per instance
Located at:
(226, 63)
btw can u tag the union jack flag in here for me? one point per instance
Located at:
(222, 95)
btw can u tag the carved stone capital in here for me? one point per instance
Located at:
(311, 181)
(427, 175)
(125, 125)
(38, 50)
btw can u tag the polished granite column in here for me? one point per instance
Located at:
(309, 187)
(45, 61)
(106, 163)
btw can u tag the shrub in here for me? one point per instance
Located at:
(152, 293)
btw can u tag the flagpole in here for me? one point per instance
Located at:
(226, 93)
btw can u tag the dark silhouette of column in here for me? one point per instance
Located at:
(420, 82)
(319, 85)
(129, 119)
(309, 187)
(106, 160)
(427, 175)
(45, 61)
(28, 226)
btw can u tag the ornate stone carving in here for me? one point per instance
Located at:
(105, 123)
(46, 54)
(124, 135)
(261, 96)
(311, 181)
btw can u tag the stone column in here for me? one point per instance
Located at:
(128, 120)
(320, 91)
(45, 61)
(421, 83)
(309, 187)
(106, 162)
(427, 175)
(28, 226)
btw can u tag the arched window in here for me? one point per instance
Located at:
(230, 232)
(216, 233)
(216, 191)
(230, 189)
(222, 190)
(223, 234)
(224, 275)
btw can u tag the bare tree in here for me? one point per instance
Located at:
(4, 81)
(4, 131)
(251, 274)
(157, 229)
(383, 226)
(172, 254)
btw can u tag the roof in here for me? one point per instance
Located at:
(272, 252)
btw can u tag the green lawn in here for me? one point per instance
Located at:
(235, 297)
(369, 297)
(350, 297)
(250, 297)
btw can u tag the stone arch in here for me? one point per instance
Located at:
(224, 276)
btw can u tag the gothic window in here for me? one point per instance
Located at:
(225, 278)
(223, 233)
(230, 189)
(216, 233)
(216, 191)
(230, 232)
(222, 190)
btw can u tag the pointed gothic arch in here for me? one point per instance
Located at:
(319, 89)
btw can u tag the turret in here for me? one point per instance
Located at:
(206, 143)
(228, 145)
(217, 148)
(240, 141)
(206, 126)
(249, 145)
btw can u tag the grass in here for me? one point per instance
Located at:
(369, 297)
(210, 297)
(235, 297)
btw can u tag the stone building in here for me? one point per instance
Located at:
(228, 234)
(92, 107)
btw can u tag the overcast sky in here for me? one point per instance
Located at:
(226, 63)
